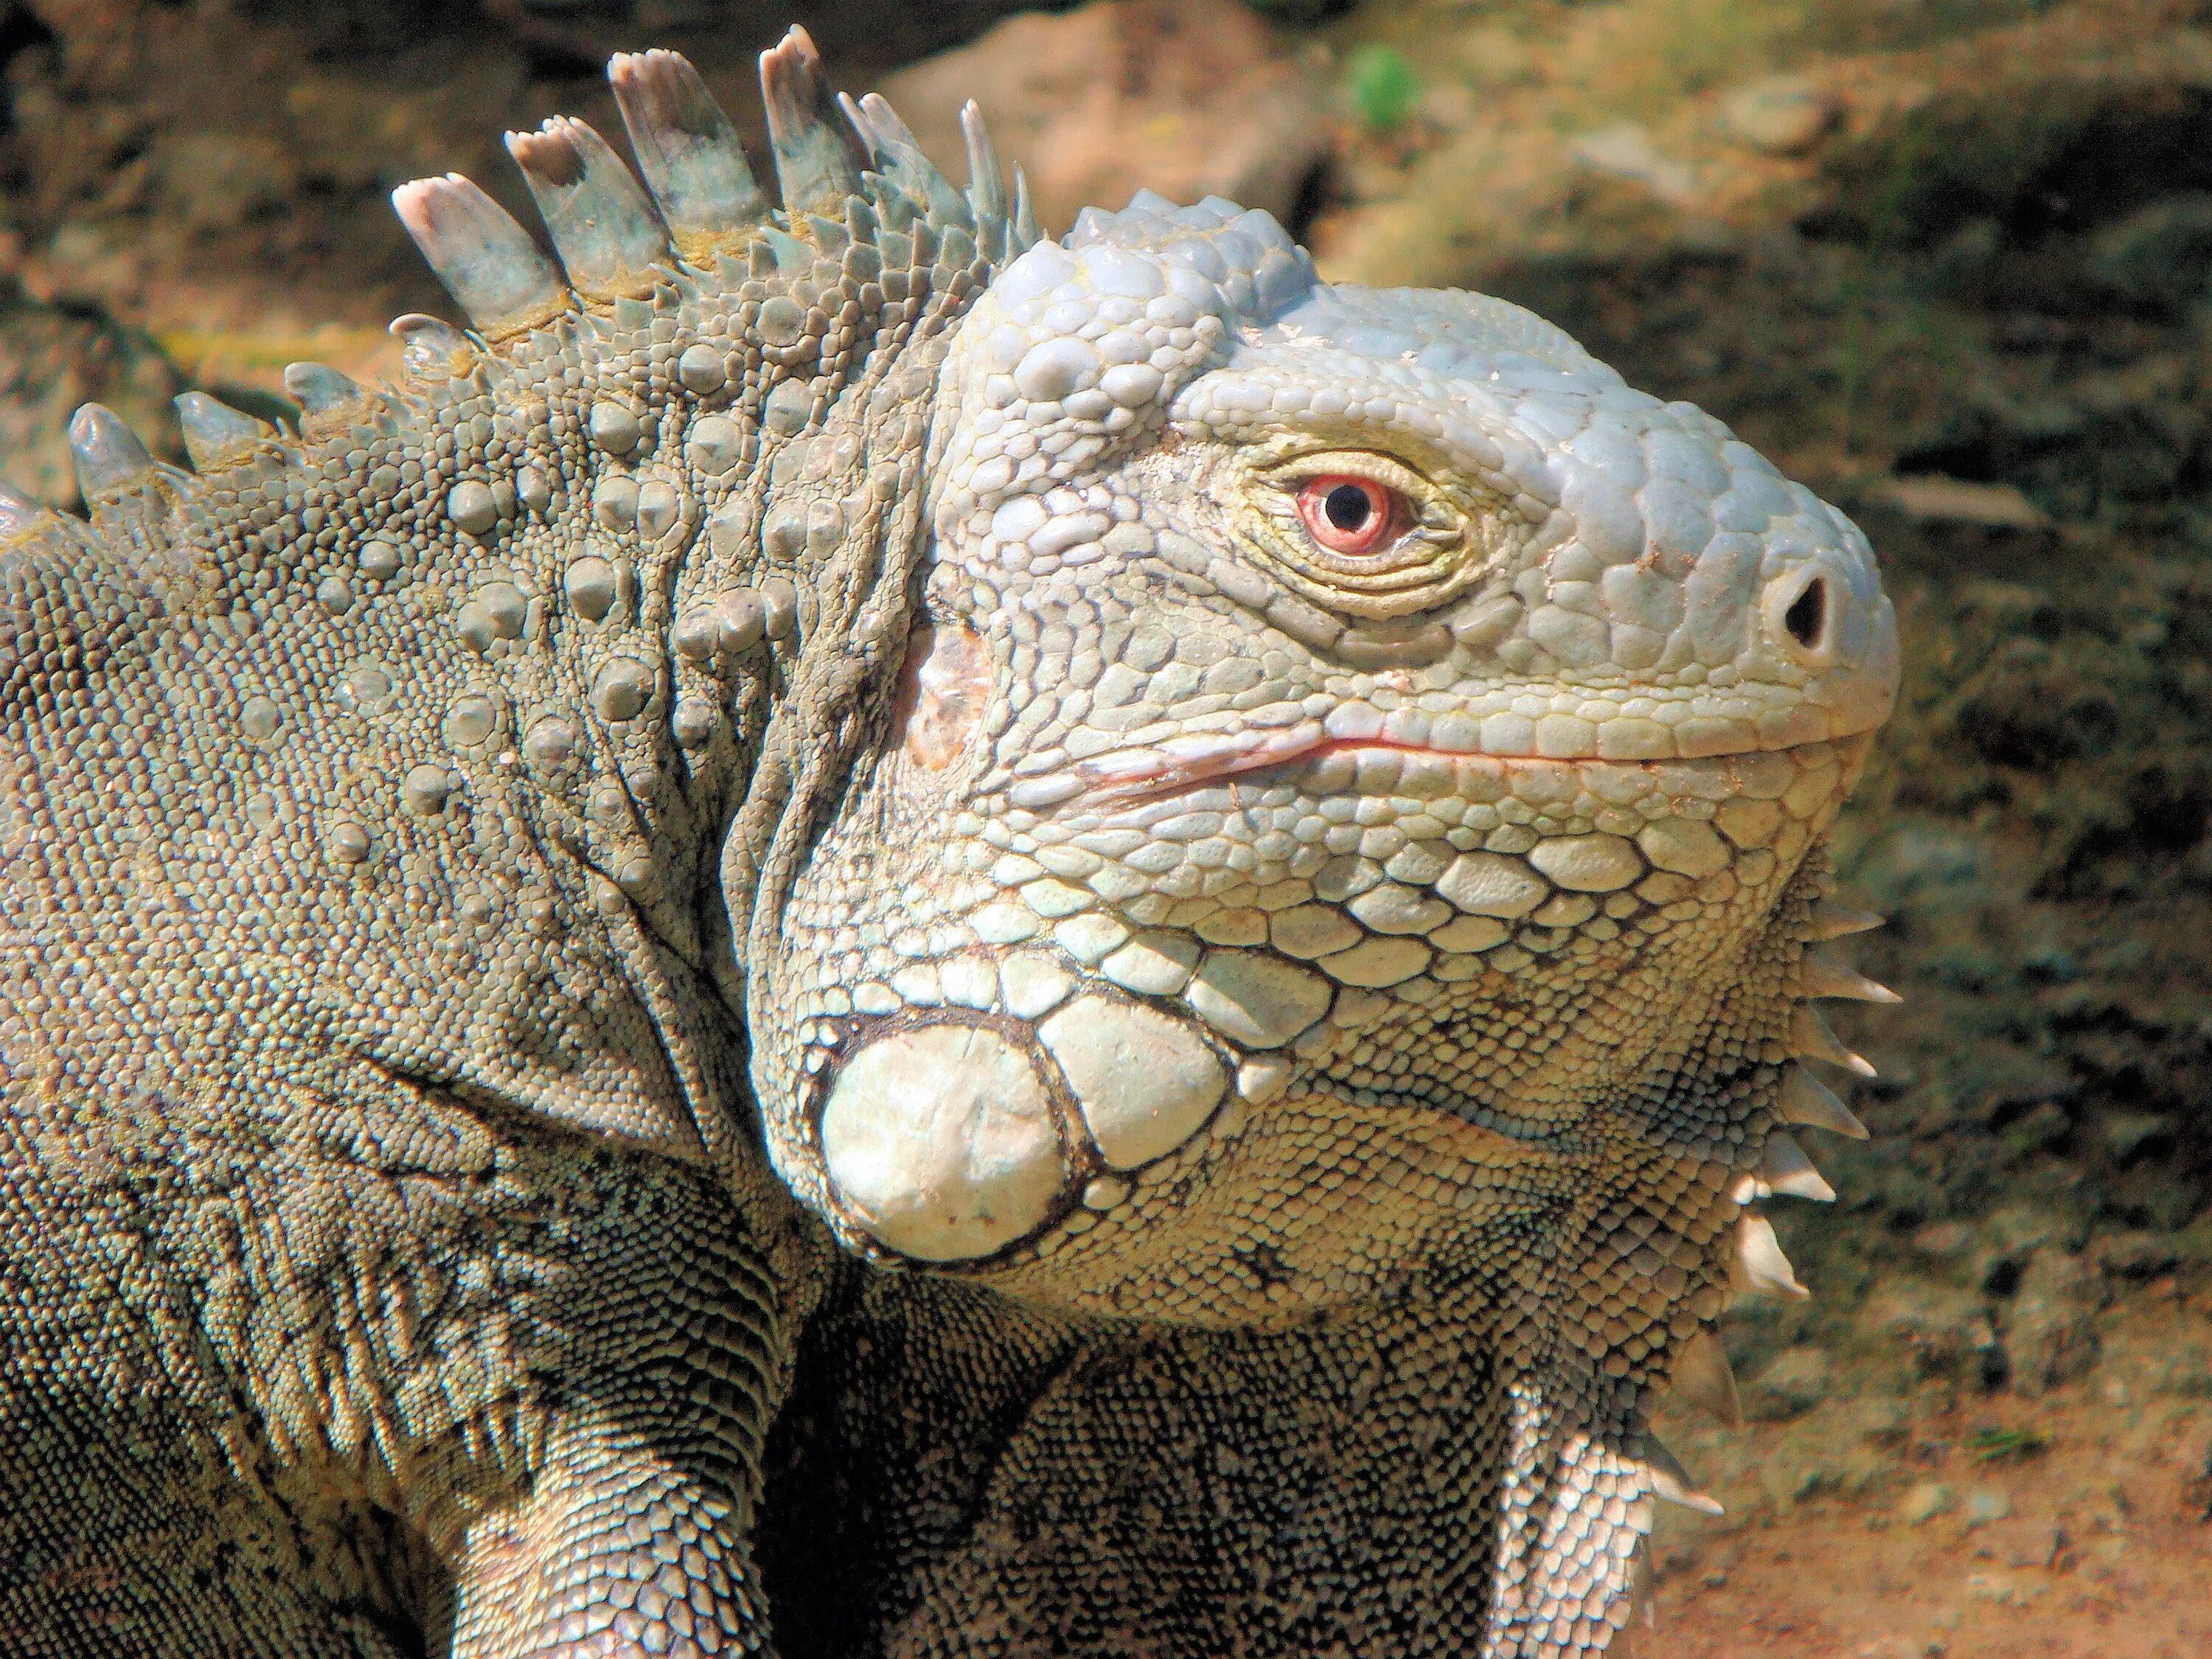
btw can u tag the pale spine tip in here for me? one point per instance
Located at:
(898, 157)
(1806, 1101)
(1785, 1168)
(687, 148)
(214, 431)
(1026, 233)
(107, 452)
(318, 388)
(431, 348)
(814, 166)
(1760, 1266)
(601, 225)
(487, 261)
(1820, 974)
(1703, 1377)
(1671, 1483)
(18, 512)
(1810, 1038)
(1829, 919)
(987, 184)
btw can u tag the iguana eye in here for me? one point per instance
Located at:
(1350, 516)
(1364, 533)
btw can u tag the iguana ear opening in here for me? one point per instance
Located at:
(943, 687)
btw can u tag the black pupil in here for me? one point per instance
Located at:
(1348, 507)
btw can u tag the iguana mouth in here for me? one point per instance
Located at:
(1130, 777)
(1125, 779)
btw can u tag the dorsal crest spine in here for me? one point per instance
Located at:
(862, 208)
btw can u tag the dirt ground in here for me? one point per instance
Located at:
(1890, 1521)
(1948, 260)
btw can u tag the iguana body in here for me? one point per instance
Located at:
(1280, 994)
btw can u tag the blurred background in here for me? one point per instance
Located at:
(1950, 261)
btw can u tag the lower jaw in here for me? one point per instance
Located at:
(1063, 1260)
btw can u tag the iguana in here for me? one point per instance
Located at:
(868, 927)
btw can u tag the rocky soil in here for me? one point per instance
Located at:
(1950, 260)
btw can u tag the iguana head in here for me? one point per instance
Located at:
(1351, 801)
(1210, 789)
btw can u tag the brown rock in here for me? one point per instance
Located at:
(2022, 1541)
(2051, 1333)
(1924, 1501)
(1797, 1381)
(1188, 99)
(1944, 1332)
(1780, 115)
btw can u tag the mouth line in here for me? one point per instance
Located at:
(1139, 777)
(1133, 777)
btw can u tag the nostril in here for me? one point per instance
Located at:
(1806, 618)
